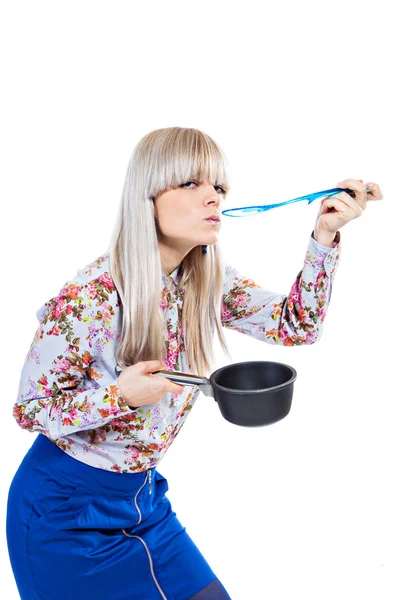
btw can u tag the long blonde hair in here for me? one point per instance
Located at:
(164, 159)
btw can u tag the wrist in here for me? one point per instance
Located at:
(324, 238)
(122, 395)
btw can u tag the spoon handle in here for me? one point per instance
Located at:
(246, 211)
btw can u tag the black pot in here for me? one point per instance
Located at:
(251, 394)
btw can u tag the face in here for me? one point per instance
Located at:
(181, 217)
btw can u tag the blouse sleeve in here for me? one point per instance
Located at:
(60, 390)
(277, 319)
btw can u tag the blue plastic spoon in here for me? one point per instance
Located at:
(249, 211)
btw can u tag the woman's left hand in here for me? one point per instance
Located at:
(338, 210)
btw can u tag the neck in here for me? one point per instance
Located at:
(171, 258)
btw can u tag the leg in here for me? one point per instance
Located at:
(213, 591)
(178, 564)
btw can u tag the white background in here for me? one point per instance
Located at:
(300, 95)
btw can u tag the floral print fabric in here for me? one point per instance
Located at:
(68, 387)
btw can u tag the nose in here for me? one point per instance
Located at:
(211, 195)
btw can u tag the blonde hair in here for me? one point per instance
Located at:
(164, 159)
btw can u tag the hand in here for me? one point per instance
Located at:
(336, 211)
(138, 386)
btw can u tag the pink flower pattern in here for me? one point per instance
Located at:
(68, 387)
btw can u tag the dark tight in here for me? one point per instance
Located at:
(213, 591)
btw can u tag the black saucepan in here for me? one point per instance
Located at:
(251, 394)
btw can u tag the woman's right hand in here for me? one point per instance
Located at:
(138, 386)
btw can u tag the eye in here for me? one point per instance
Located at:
(223, 192)
(188, 183)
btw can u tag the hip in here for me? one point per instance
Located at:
(113, 532)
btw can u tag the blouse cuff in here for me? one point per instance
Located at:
(318, 255)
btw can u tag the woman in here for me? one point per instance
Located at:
(87, 510)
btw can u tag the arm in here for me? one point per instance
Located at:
(59, 390)
(277, 319)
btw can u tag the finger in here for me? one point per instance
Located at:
(350, 202)
(361, 197)
(354, 184)
(346, 210)
(175, 388)
(359, 188)
(376, 192)
(148, 366)
(358, 205)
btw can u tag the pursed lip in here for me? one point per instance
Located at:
(212, 217)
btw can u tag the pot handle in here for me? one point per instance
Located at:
(188, 379)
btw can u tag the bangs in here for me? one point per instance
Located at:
(184, 155)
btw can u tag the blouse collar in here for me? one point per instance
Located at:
(174, 276)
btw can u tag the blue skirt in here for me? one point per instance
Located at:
(75, 532)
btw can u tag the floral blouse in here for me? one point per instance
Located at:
(68, 388)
